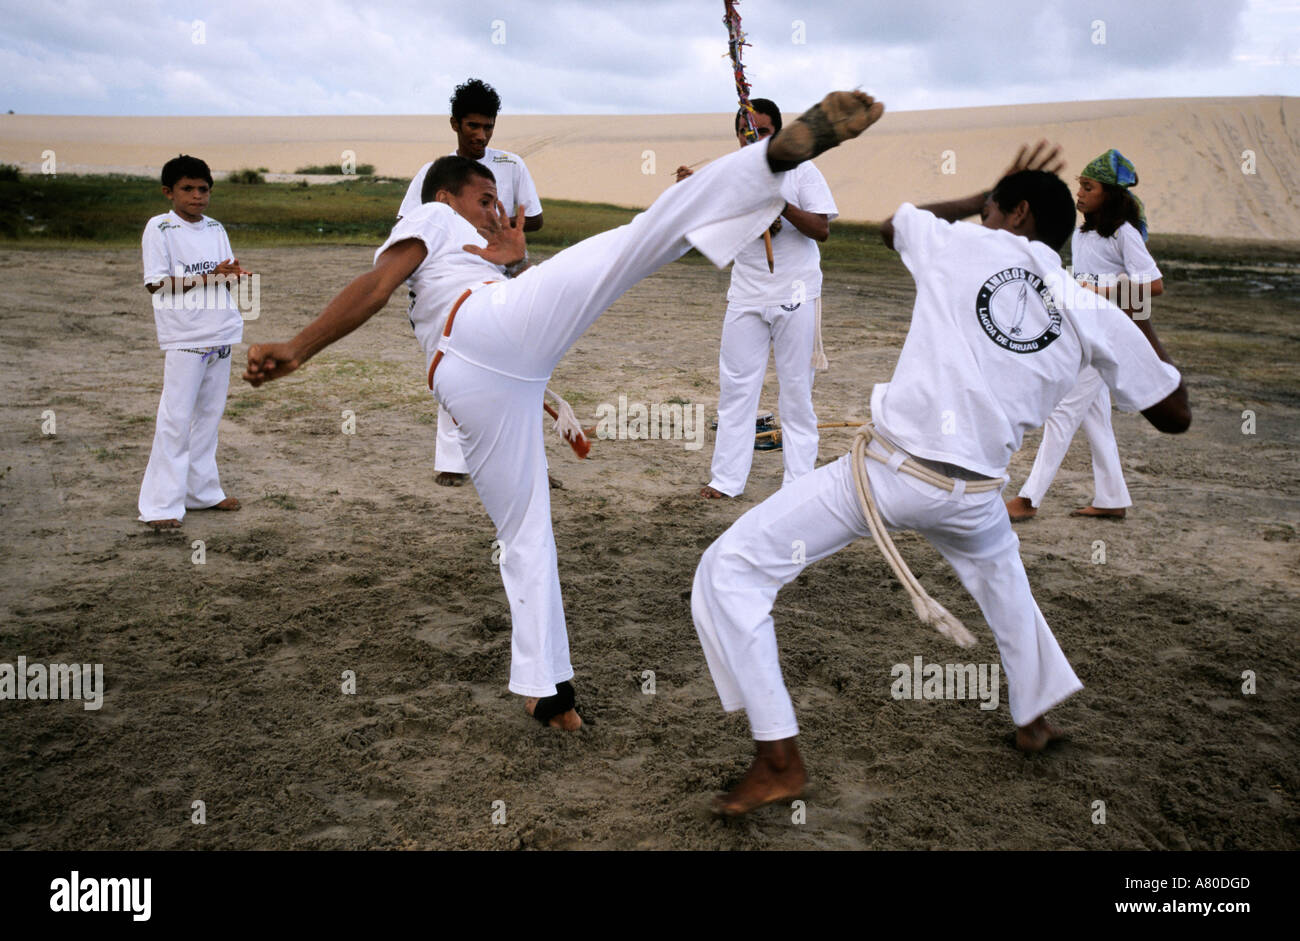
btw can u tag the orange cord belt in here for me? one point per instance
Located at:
(446, 331)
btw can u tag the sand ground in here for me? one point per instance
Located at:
(223, 679)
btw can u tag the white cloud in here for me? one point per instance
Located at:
(619, 56)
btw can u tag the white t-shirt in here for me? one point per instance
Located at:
(446, 271)
(206, 315)
(995, 343)
(795, 256)
(1100, 260)
(514, 184)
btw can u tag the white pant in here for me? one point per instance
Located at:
(739, 576)
(747, 333)
(447, 453)
(507, 339)
(1087, 403)
(182, 471)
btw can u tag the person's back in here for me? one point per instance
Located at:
(995, 343)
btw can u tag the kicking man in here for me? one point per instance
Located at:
(492, 343)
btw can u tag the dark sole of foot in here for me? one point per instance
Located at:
(717, 808)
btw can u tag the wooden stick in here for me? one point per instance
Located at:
(775, 433)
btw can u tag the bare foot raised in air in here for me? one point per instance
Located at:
(1036, 736)
(777, 774)
(840, 116)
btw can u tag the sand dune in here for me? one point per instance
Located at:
(1189, 152)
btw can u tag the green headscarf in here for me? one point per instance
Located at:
(1114, 168)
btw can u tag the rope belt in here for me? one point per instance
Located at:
(927, 609)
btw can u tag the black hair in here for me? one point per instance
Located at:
(451, 174)
(475, 96)
(182, 166)
(1049, 201)
(762, 106)
(1118, 207)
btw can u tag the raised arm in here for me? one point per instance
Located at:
(1043, 156)
(353, 306)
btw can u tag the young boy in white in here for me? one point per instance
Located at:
(492, 346)
(474, 109)
(993, 346)
(188, 263)
(780, 310)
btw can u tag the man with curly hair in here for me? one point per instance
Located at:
(474, 108)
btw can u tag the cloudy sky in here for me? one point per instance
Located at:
(293, 57)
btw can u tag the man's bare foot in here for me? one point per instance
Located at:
(230, 504)
(1020, 509)
(840, 116)
(1035, 736)
(448, 479)
(164, 524)
(554, 482)
(709, 493)
(559, 711)
(1101, 512)
(777, 774)
(569, 721)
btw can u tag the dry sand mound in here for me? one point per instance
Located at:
(1189, 152)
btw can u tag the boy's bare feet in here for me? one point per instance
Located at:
(1101, 512)
(1035, 736)
(709, 493)
(164, 524)
(777, 774)
(840, 116)
(1020, 509)
(448, 479)
(230, 504)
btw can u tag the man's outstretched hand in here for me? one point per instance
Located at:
(1044, 156)
(505, 239)
(267, 361)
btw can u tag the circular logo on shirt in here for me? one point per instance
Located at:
(1017, 311)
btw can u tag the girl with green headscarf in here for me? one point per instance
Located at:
(1106, 183)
